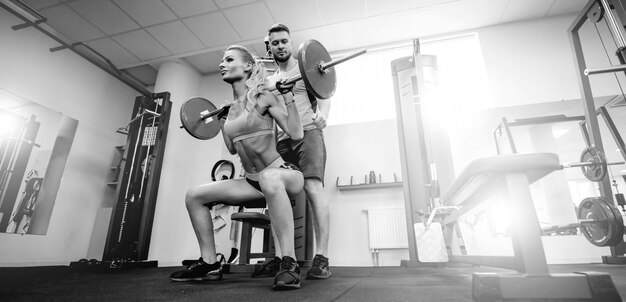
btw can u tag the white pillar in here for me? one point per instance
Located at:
(559, 205)
(187, 162)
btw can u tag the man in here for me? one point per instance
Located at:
(309, 153)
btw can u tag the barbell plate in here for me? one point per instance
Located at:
(618, 225)
(597, 171)
(195, 126)
(320, 83)
(609, 228)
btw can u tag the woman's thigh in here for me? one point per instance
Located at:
(234, 192)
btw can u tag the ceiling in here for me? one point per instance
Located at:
(138, 35)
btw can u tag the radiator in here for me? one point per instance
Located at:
(387, 228)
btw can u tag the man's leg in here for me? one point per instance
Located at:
(312, 161)
(318, 204)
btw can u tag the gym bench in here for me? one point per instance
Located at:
(509, 176)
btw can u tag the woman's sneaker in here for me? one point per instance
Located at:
(319, 269)
(288, 277)
(267, 269)
(198, 271)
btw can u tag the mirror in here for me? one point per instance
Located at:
(35, 142)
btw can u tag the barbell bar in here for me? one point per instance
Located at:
(22, 140)
(609, 69)
(315, 70)
(322, 67)
(590, 221)
(588, 164)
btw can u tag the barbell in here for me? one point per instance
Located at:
(316, 70)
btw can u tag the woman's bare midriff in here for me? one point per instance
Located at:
(257, 152)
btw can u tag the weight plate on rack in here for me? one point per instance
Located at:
(606, 227)
(597, 171)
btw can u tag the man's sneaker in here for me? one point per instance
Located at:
(288, 277)
(267, 269)
(319, 269)
(199, 271)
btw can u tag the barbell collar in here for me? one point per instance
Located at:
(204, 116)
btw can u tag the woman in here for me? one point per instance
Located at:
(248, 130)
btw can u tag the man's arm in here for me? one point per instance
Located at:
(321, 116)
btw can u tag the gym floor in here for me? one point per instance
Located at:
(347, 284)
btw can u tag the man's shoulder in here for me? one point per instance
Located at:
(285, 73)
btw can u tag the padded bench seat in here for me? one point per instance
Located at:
(484, 177)
(255, 218)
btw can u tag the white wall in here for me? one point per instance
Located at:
(530, 63)
(533, 61)
(64, 82)
(354, 150)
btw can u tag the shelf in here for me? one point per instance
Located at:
(112, 183)
(370, 186)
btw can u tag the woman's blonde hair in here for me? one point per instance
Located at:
(257, 81)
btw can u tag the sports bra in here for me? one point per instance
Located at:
(249, 123)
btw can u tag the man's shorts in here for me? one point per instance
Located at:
(309, 153)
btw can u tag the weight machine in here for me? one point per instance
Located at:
(612, 12)
(128, 239)
(16, 146)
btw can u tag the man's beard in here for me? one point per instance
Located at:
(282, 60)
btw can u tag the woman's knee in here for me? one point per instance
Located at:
(271, 181)
(196, 196)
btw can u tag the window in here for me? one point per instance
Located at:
(365, 87)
